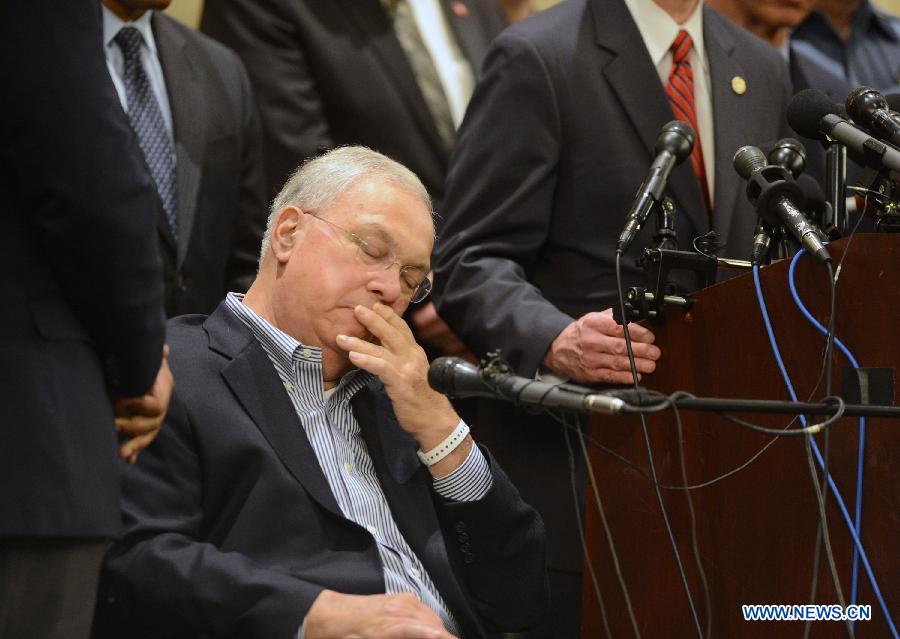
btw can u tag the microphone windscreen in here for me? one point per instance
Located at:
(677, 138)
(748, 159)
(806, 110)
(813, 193)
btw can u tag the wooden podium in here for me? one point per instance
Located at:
(755, 530)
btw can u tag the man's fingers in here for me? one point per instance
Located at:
(350, 343)
(380, 327)
(130, 449)
(137, 425)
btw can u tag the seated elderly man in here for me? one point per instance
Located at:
(308, 481)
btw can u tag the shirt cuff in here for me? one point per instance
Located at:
(470, 481)
(301, 634)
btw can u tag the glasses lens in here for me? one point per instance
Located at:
(422, 291)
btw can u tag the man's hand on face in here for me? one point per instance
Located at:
(401, 365)
(592, 349)
(139, 418)
(402, 616)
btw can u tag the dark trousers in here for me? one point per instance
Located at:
(48, 587)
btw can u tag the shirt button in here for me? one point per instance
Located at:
(349, 467)
(372, 530)
(288, 386)
(306, 352)
(417, 572)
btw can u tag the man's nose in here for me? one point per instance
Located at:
(386, 285)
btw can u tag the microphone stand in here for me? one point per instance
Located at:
(648, 302)
(834, 218)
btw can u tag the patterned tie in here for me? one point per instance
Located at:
(147, 121)
(680, 90)
(423, 68)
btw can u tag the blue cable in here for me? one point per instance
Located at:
(837, 494)
(862, 421)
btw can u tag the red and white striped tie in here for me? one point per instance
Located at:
(680, 90)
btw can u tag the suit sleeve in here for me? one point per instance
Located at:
(161, 576)
(265, 35)
(497, 545)
(74, 167)
(252, 212)
(498, 210)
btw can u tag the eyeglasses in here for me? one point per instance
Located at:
(374, 252)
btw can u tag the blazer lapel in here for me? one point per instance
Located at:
(371, 19)
(256, 384)
(729, 125)
(633, 78)
(188, 102)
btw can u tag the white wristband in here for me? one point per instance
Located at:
(446, 447)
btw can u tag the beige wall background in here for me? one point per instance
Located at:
(188, 11)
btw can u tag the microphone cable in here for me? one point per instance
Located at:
(646, 433)
(809, 441)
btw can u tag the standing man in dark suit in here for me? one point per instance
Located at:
(82, 322)
(334, 72)
(192, 107)
(285, 494)
(558, 136)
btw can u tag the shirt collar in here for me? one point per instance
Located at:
(658, 29)
(286, 350)
(112, 24)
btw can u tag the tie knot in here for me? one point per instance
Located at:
(681, 48)
(129, 40)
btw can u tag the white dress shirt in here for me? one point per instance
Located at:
(453, 68)
(658, 30)
(115, 61)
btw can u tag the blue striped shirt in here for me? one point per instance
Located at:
(334, 434)
(871, 56)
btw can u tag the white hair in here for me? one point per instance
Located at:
(319, 181)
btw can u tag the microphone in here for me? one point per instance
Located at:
(673, 144)
(777, 198)
(870, 110)
(455, 377)
(812, 115)
(790, 154)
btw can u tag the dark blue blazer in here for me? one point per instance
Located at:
(232, 529)
(81, 318)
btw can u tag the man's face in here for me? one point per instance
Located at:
(777, 13)
(321, 278)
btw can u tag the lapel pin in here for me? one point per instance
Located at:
(460, 9)
(738, 85)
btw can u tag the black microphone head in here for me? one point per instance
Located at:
(677, 138)
(806, 111)
(453, 376)
(747, 160)
(789, 154)
(893, 102)
(812, 193)
(862, 104)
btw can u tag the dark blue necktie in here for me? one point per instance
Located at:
(147, 121)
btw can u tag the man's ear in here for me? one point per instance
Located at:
(284, 233)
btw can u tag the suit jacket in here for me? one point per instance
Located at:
(232, 529)
(221, 199)
(82, 295)
(331, 72)
(558, 136)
